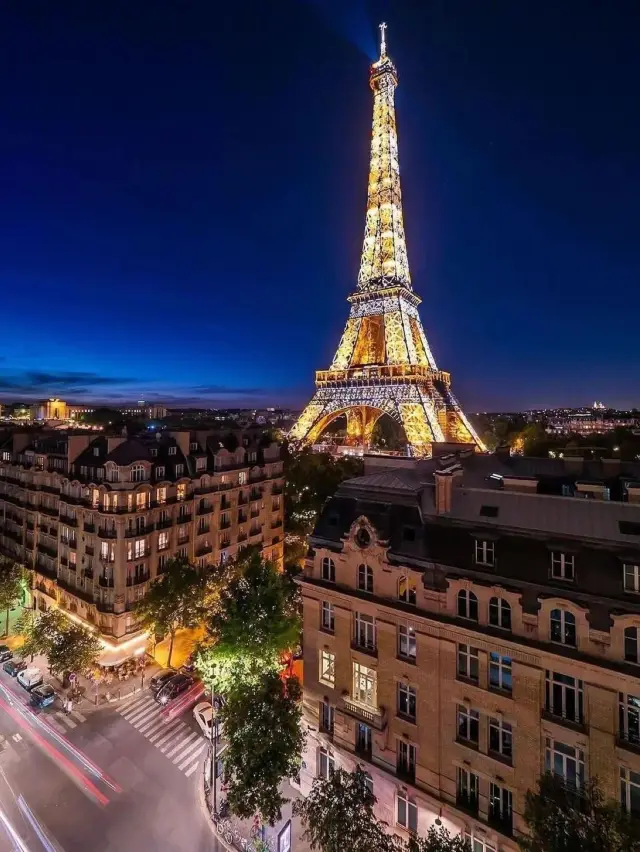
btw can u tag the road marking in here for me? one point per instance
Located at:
(77, 715)
(186, 751)
(16, 737)
(132, 705)
(193, 768)
(139, 712)
(56, 725)
(191, 757)
(64, 718)
(148, 721)
(181, 744)
(168, 732)
(131, 712)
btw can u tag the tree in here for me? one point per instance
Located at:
(11, 574)
(438, 840)
(262, 726)
(338, 815)
(25, 626)
(566, 819)
(253, 624)
(73, 649)
(175, 600)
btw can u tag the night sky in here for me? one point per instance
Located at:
(183, 185)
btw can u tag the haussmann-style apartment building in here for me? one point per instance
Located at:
(470, 622)
(97, 518)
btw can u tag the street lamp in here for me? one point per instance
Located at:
(217, 703)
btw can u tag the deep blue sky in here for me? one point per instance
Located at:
(182, 192)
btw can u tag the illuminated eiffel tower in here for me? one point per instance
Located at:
(384, 364)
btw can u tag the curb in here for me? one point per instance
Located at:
(207, 815)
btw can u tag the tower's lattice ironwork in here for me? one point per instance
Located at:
(383, 364)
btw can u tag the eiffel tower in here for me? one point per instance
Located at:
(384, 364)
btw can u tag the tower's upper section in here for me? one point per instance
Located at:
(384, 252)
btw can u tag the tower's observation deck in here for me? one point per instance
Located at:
(383, 364)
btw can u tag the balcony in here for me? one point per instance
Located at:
(572, 724)
(46, 570)
(183, 539)
(105, 582)
(242, 537)
(406, 772)
(277, 489)
(255, 531)
(49, 551)
(205, 510)
(242, 517)
(256, 494)
(138, 579)
(628, 740)
(224, 505)
(375, 717)
(77, 589)
(500, 821)
(133, 532)
(255, 513)
(204, 549)
(184, 518)
(107, 532)
(203, 528)
(68, 520)
(103, 605)
(89, 528)
(276, 524)
(165, 524)
(224, 525)
(242, 499)
(46, 591)
(89, 551)
(467, 802)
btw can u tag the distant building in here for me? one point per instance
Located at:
(50, 409)
(97, 518)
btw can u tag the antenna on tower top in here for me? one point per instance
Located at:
(383, 40)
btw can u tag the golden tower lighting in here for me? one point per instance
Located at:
(383, 364)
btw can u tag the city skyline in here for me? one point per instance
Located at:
(139, 223)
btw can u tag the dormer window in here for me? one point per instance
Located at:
(154, 451)
(172, 451)
(201, 464)
(179, 469)
(96, 451)
(159, 471)
(137, 473)
(632, 578)
(485, 552)
(563, 566)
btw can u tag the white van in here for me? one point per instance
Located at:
(30, 677)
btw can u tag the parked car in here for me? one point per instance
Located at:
(203, 714)
(30, 677)
(14, 666)
(174, 687)
(5, 653)
(160, 678)
(43, 695)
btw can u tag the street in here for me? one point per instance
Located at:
(115, 779)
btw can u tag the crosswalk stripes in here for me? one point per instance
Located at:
(63, 722)
(175, 739)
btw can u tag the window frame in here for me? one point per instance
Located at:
(469, 655)
(503, 738)
(361, 673)
(485, 552)
(327, 667)
(328, 569)
(406, 694)
(503, 666)
(626, 783)
(409, 634)
(467, 601)
(410, 808)
(631, 635)
(553, 748)
(557, 688)
(502, 609)
(329, 623)
(364, 631)
(365, 578)
(635, 573)
(408, 595)
(566, 621)
(326, 764)
(563, 566)
(629, 710)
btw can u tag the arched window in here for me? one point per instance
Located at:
(365, 578)
(328, 570)
(563, 627)
(467, 605)
(407, 590)
(500, 613)
(631, 654)
(137, 473)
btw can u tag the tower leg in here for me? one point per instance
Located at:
(360, 425)
(417, 429)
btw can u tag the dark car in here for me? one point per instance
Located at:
(5, 653)
(13, 667)
(174, 687)
(160, 678)
(43, 695)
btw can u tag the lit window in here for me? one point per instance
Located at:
(563, 627)
(406, 812)
(140, 548)
(485, 552)
(631, 654)
(201, 464)
(243, 477)
(141, 500)
(172, 451)
(181, 491)
(632, 578)
(565, 761)
(161, 495)
(364, 685)
(328, 570)
(500, 673)
(562, 566)
(501, 738)
(365, 578)
(328, 667)
(328, 616)
(407, 590)
(163, 540)
(564, 696)
(629, 718)
(468, 663)
(630, 791)
(500, 613)
(406, 642)
(467, 605)
(137, 473)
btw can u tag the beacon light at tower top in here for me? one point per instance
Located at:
(383, 364)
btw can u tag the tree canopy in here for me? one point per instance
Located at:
(177, 599)
(68, 647)
(561, 818)
(11, 591)
(262, 725)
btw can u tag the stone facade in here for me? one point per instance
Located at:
(456, 656)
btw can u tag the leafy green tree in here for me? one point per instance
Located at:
(254, 622)
(177, 599)
(338, 815)
(11, 591)
(564, 819)
(438, 840)
(262, 726)
(25, 627)
(73, 649)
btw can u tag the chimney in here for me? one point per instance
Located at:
(183, 440)
(75, 445)
(114, 441)
(444, 480)
(21, 441)
(633, 492)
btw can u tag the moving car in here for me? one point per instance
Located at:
(203, 714)
(30, 677)
(5, 653)
(160, 678)
(174, 687)
(13, 666)
(43, 695)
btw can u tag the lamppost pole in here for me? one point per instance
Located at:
(216, 704)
